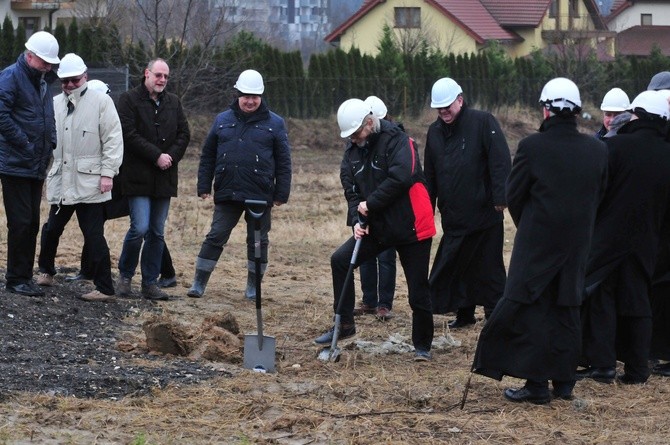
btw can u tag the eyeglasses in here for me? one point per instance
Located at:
(74, 80)
(160, 75)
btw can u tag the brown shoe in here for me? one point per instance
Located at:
(364, 309)
(384, 313)
(153, 292)
(44, 279)
(96, 295)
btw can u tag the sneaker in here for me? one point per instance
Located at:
(153, 292)
(422, 356)
(44, 279)
(364, 309)
(327, 337)
(78, 277)
(29, 289)
(123, 286)
(384, 313)
(96, 295)
(167, 282)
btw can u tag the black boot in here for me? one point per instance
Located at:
(200, 280)
(250, 291)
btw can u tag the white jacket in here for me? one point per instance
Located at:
(89, 145)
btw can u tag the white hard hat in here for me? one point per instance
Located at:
(616, 99)
(98, 85)
(652, 102)
(560, 93)
(250, 82)
(44, 46)
(444, 92)
(350, 116)
(377, 106)
(71, 65)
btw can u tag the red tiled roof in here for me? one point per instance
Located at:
(470, 15)
(639, 40)
(618, 6)
(515, 13)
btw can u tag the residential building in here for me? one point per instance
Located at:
(466, 26)
(640, 26)
(34, 15)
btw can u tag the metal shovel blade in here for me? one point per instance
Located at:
(259, 353)
(330, 354)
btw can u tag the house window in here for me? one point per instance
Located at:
(645, 19)
(553, 9)
(408, 17)
(574, 9)
(32, 25)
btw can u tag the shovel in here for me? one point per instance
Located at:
(332, 354)
(259, 350)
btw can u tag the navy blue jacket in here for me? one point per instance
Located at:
(27, 124)
(247, 157)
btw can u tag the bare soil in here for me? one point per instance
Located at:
(137, 372)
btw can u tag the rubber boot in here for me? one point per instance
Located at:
(250, 291)
(203, 270)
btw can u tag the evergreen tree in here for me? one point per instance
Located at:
(19, 40)
(71, 44)
(7, 54)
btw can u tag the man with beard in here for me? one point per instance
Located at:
(467, 161)
(557, 181)
(616, 317)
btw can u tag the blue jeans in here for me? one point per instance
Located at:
(147, 223)
(378, 279)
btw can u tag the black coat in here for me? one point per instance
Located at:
(635, 207)
(557, 181)
(387, 174)
(148, 131)
(466, 165)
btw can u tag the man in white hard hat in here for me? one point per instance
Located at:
(388, 193)
(614, 104)
(467, 161)
(246, 156)
(377, 275)
(155, 135)
(617, 319)
(27, 139)
(86, 159)
(553, 192)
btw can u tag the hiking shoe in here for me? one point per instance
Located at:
(364, 309)
(167, 282)
(461, 322)
(153, 292)
(384, 313)
(44, 279)
(422, 356)
(96, 295)
(123, 286)
(327, 337)
(29, 289)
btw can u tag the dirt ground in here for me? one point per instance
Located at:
(93, 373)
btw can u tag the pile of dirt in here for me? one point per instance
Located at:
(60, 345)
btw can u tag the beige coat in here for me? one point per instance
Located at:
(90, 145)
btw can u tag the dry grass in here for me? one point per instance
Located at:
(363, 399)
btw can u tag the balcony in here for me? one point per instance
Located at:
(27, 5)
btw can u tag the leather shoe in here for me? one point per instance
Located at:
(29, 289)
(461, 323)
(661, 369)
(327, 337)
(526, 395)
(364, 309)
(627, 379)
(563, 395)
(602, 375)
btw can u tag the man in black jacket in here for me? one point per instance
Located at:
(557, 181)
(467, 161)
(387, 187)
(617, 313)
(155, 136)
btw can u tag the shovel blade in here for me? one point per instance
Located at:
(259, 358)
(329, 354)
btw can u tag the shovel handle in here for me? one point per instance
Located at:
(256, 208)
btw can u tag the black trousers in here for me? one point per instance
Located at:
(91, 222)
(414, 258)
(21, 197)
